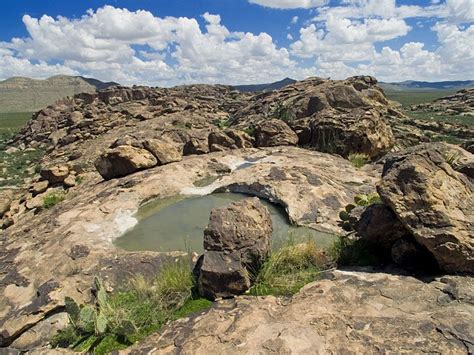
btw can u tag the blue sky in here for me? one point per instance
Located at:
(164, 42)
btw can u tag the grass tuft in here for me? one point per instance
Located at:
(122, 318)
(288, 269)
(358, 159)
(53, 198)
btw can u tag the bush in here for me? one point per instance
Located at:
(358, 159)
(284, 113)
(120, 319)
(367, 200)
(289, 269)
(52, 199)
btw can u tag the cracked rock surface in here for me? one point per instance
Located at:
(346, 312)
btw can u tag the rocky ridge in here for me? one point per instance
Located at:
(460, 103)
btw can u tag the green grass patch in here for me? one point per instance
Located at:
(12, 122)
(440, 117)
(416, 97)
(288, 269)
(53, 198)
(284, 113)
(358, 159)
(125, 317)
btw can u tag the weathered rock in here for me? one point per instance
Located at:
(460, 103)
(75, 117)
(55, 174)
(195, 146)
(274, 133)
(236, 242)
(70, 181)
(407, 253)
(229, 139)
(5, 202)
(342, 117)
(379, 226)
(434, 202)
(39, 187)
(124, 160)
(345, 312)
(165, 152)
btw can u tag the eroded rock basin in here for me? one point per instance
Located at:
(177, 223)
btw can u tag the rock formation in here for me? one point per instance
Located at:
(434, 202)
(460, 103)
(344, 312)
(236, 243)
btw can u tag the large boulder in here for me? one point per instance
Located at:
(195, 146)
(333, 116)
(163, 151)
(433, 201)
(124, 160)
(236, 242)
(273, 133)
(55, 174)
(229, 139)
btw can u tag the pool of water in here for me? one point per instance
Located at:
(178, 223)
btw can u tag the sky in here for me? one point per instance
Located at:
(172, 42)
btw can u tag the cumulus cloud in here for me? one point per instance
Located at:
(137, 47)
(105, 44)
(290, 4)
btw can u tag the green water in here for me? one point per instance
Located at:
(178, 224)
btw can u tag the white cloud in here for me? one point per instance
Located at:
(137, 47)
(103, 44)
(290, 4)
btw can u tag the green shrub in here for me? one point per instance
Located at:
(52, 199)
(288, 269)
(358, 159)
(122, 318)
(222, 123)
(250, 131)
(367, 200)
(284, 113)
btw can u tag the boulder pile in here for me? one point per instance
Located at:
(236, 243)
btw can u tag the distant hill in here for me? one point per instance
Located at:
(425, 85)
(19, 94)
(264, 87)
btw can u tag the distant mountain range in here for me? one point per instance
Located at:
(425, 85)
(19, 94)
(264, 87)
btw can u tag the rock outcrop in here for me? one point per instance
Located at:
(273, 133)
(460, 103)
(164, 152)
(236, 243)
(124, 160)
(344, 312)
(343, 117)
(434, 202)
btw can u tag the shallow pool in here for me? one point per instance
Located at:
(178, 223)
